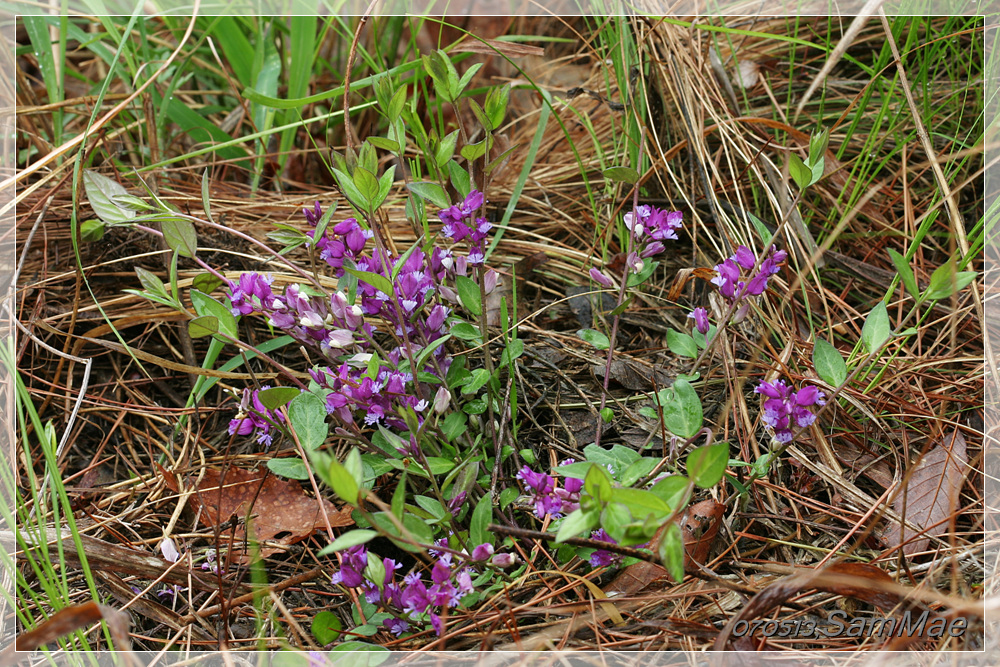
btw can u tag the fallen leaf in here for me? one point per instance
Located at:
(854, 580)
(582, 301)
(281, 512)
(66, 621)
(699, 525)
(931, 497)
(583, 425)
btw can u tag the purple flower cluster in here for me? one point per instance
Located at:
(546, 495)
(417, 313)
(650, 226)
(412, 598)
(783, 406)
(329, 324)
(603, 557)
(459, 225)
(382, 399)
(735, 285)
(253, 416)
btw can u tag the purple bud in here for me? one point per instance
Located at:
(490, 280)
(482, 552)
(654, 248)
(598, 277)
(700, 317)
(441, 400)
(503, 560)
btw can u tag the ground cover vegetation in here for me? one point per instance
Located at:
(512, 333)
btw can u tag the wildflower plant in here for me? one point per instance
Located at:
(401, 372)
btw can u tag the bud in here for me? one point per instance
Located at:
(482, 552)
(441, 400)
(598, 277)
(169, 550)
(490, 280)
(340, 338)
(504, 560)
(634, 263)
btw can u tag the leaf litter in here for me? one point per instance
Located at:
(279, 511)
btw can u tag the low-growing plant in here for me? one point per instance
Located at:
(403, 372)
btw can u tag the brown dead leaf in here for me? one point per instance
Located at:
(66, 621)
(931, 497)
(860, 581)
(699, 525)
(281, 512)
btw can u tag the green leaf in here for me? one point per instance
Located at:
(706, 465)
(91, 230)
(799, 172)
(482, 516)
(474, 151)
(100, 193)
(151, 281)
(465, 331)
(876, 329)
(945, 282)
(200, 327)
(432, 192)
(595, 338)
(514, 349)
(454, 425)
(432, 506)
(307, 415)
(399, 497)
(342, 482)
(376, 280)
(206, 283)
(905, 273)
(460, 178)
(206, 305)
(352, 464)
(622, 174)
(762, 231)
(636, 471)
(607, 415)
(468, 294)
(640, 503)
(496, 104)
(674, 491)
(351, 191)
(682, 344)
(326, 627)
(507, 496)
(576, 523)
(671, 552)
(828, 363)
(292, 468)
(598, 483)
(479, 377)
(445, 151)
(180, 235)
(481, 116)
(384, 144)
(683, 414)
(418, 528)
(277, 397)
(614, 518)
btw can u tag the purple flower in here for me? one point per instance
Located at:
(700, 317)
(783, 407)
(603, 557)
(651, 226)
(396, 626)
(253, 416)
(482, 552)
(353, 562)
(730, 271)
